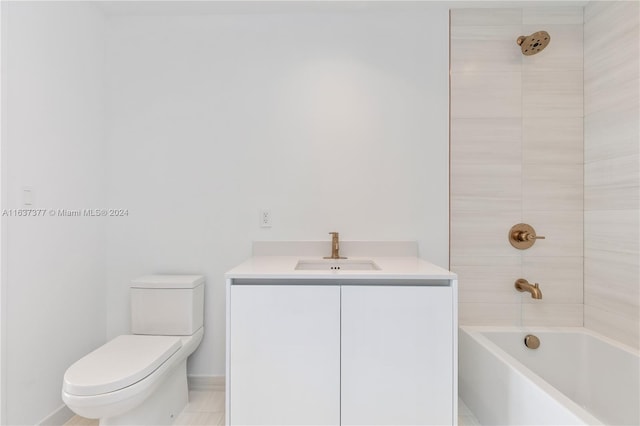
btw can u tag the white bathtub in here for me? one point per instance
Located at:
(575, 377)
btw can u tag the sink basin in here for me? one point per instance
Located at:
(336, 265)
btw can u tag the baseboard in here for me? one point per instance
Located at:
(58, 417)
(206, 383)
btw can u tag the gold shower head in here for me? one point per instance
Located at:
(534, 43)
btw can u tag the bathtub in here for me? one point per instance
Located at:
(575, 377)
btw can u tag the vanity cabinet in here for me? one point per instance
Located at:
(396, 355)
(285, 355)
(341, 353)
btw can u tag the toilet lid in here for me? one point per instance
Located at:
(119, 363)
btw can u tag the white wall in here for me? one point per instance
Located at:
(53, 141)
(516, 156)
(3, 231)
(334, 119)
(612, 169)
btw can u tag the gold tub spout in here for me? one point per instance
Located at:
(524, 285)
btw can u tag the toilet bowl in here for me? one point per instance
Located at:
(141, 379)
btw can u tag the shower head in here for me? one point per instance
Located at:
(534, 43)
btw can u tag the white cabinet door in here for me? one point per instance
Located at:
(285, 355)
(397, 355)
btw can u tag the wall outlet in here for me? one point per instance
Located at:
(265, 218)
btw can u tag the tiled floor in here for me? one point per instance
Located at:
(81, 421)
(465, 416)
(207, 408)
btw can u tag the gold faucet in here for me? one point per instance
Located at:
(335, 246)
(524, 285)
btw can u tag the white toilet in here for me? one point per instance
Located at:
(141, 379)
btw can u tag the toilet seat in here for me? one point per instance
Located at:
(123, 361)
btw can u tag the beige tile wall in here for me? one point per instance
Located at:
(612, 176)
(517, 155)
(612, 172)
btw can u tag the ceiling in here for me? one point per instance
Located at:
(220, 7)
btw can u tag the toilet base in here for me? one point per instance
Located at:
(162, 406)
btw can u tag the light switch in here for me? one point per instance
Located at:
(28, 196)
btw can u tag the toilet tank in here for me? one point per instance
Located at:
(170, 305)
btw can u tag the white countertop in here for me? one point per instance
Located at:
(394, 267)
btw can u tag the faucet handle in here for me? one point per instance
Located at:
(526, 236)
(523, 236)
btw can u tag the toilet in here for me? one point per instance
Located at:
(141, 378)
